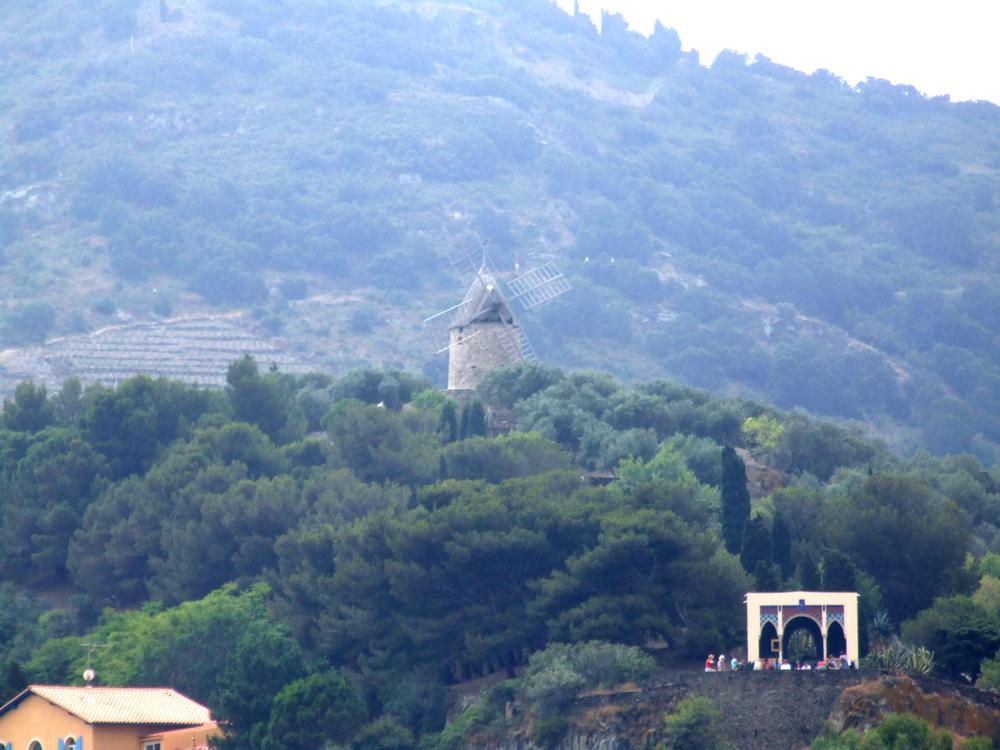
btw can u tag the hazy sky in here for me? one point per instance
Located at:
(939, 47)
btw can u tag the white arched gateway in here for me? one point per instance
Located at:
(831, 617)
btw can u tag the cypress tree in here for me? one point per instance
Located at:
(13, 680)
(756, 544)
(735, 500)
(448, 427)
(781, 545)
(839, 573)
(463, 425)
(474, 420)
(767, 577)
(809, 572)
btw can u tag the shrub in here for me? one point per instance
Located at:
(549, 731)
(29, 323)
(103, 306)
(554, 676)
(383, 734)
(896, 732)
(695, 724)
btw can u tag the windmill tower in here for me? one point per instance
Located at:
(483, 332)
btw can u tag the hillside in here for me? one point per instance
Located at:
(758, 711)
(743, 227)
(292, 547)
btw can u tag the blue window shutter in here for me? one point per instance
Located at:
(79, 743)
(62, 744)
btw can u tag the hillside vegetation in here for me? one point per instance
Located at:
(359, 544)
(743, 227)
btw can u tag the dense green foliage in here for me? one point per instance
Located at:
(739, 226)
(695, 723)
(898, 732)
(352, 579)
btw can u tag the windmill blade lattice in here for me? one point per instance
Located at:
(438, 326)
(538, 286)
(516, 344)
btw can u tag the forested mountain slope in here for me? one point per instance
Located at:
(744, 227)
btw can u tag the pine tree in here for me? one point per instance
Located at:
(735, 500)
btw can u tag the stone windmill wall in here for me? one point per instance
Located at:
(480, 336)
(477, 350)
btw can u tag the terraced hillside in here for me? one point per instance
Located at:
(193, 350)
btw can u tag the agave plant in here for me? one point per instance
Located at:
(881, 628)
(920, 661)
(898, 657)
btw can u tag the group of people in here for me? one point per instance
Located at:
(721, 664)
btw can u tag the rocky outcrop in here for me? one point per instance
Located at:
(762, 711)
(963, 711)
(762, 479)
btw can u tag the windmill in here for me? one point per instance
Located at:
(482, 333)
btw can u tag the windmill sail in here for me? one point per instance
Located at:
(538, 286)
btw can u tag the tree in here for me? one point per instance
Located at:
(313, 710)
(756, 547)
(131, 424)
(781, 545)
(912, 541)
(473, 421)
(222, 529)
(49, 489)
(838, 572)
(735, 500)
(377, 444)
(504, 457)
(27, 324)
(405, 582)
(179, 646)
(264, 660)
(448, 428)
(264, 400)
(30, 411)
(763, 434)
(113, 547)
(384, 733)
(808, 572)
(959, 632)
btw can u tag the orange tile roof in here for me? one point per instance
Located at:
(121, 705)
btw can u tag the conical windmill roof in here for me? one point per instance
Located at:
(484, 303)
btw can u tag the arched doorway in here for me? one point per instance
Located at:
(836, 642)
(808, 646)
(768, 636)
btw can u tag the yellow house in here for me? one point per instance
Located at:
(50, 717)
